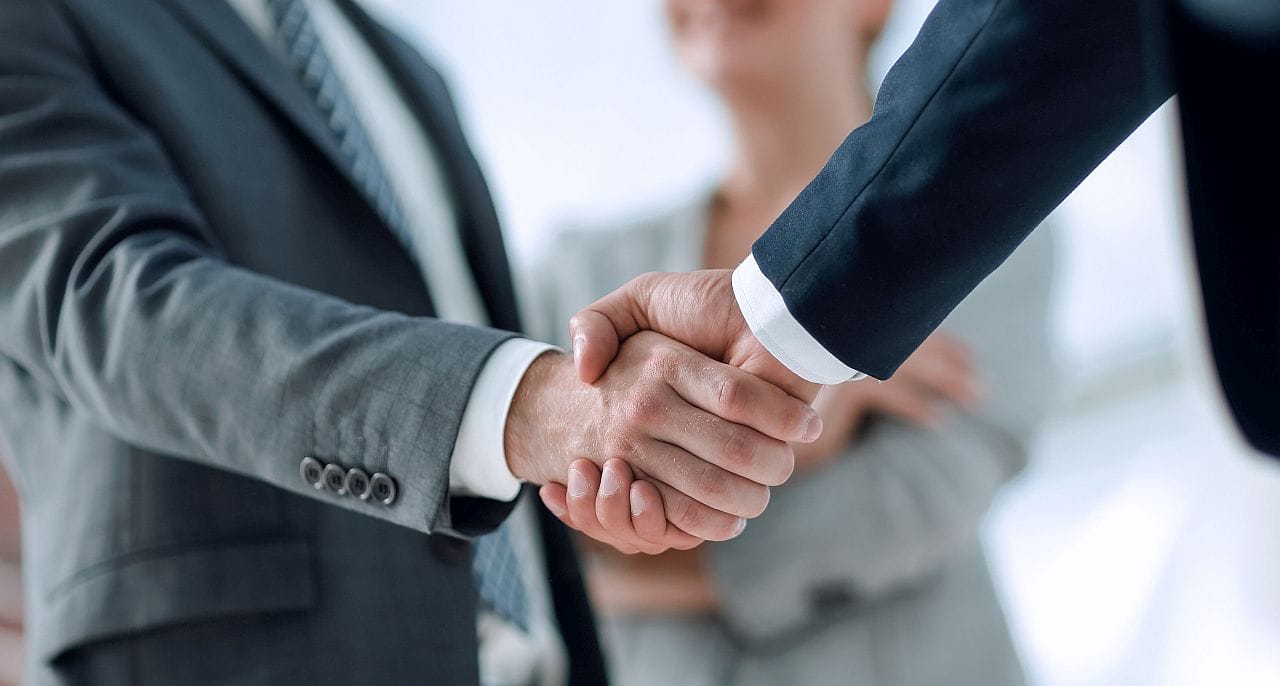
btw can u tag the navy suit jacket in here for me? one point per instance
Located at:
(997, 111)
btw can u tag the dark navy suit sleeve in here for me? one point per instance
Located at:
(996, 112)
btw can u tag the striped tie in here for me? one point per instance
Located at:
(308, 59)
(497, 574)
(495, 566)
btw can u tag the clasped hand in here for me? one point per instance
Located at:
(670, 408)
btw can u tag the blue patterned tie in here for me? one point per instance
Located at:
(497, 574)
(307, 57)
(495, 566)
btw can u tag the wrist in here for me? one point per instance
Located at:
(535, 432)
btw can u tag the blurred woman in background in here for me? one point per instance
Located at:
(867, 566)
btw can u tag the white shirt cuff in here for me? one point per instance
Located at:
(479, 464)
(779, 332)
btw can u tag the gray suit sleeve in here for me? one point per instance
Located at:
(901, 501)
(114, 295)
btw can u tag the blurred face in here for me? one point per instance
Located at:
(740, 45)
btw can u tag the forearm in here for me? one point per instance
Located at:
(999, 109)
(178, 352)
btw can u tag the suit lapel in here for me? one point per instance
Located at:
(218, 26)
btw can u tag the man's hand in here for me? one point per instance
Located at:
(611, 507)
(699, 310)
(662, 581)
(695, 308)
(710, 437)
(937, 375)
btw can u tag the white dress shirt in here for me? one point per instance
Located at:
(779, 332)
(478, 467)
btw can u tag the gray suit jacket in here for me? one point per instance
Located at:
(193, 298)
(866, 571)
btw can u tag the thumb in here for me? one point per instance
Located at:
(599, 329)
(595, 343)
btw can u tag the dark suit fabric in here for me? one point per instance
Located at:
(1230, 110)
(995, 114)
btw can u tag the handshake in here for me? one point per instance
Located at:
(683, 423)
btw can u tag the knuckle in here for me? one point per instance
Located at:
(734, 496)
(642, 408)
(702, 521)
(688, 515)
(619, 447)
(795, 417)
(713, 484)
(740, 450)
(731, 395)
(663, 362)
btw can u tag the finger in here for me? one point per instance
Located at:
(595, 343)
(598, 329)
(719, 489)
(650, 519)
(741, 398)
(613, 507)
(695, 518)
(759, 362)
(584, 488)
(733, 447)
(556, 499)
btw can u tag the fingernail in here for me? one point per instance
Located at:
(813, 429)
(578, 344)
(638, 504)
(577, 484)
(609, 482)
(742, 525)
(554, 506)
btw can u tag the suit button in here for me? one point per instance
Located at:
(383, 488)
(334, 478)
(449, 550)
(310, 470)
(357, 483)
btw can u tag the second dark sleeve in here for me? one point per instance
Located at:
(997, 111)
